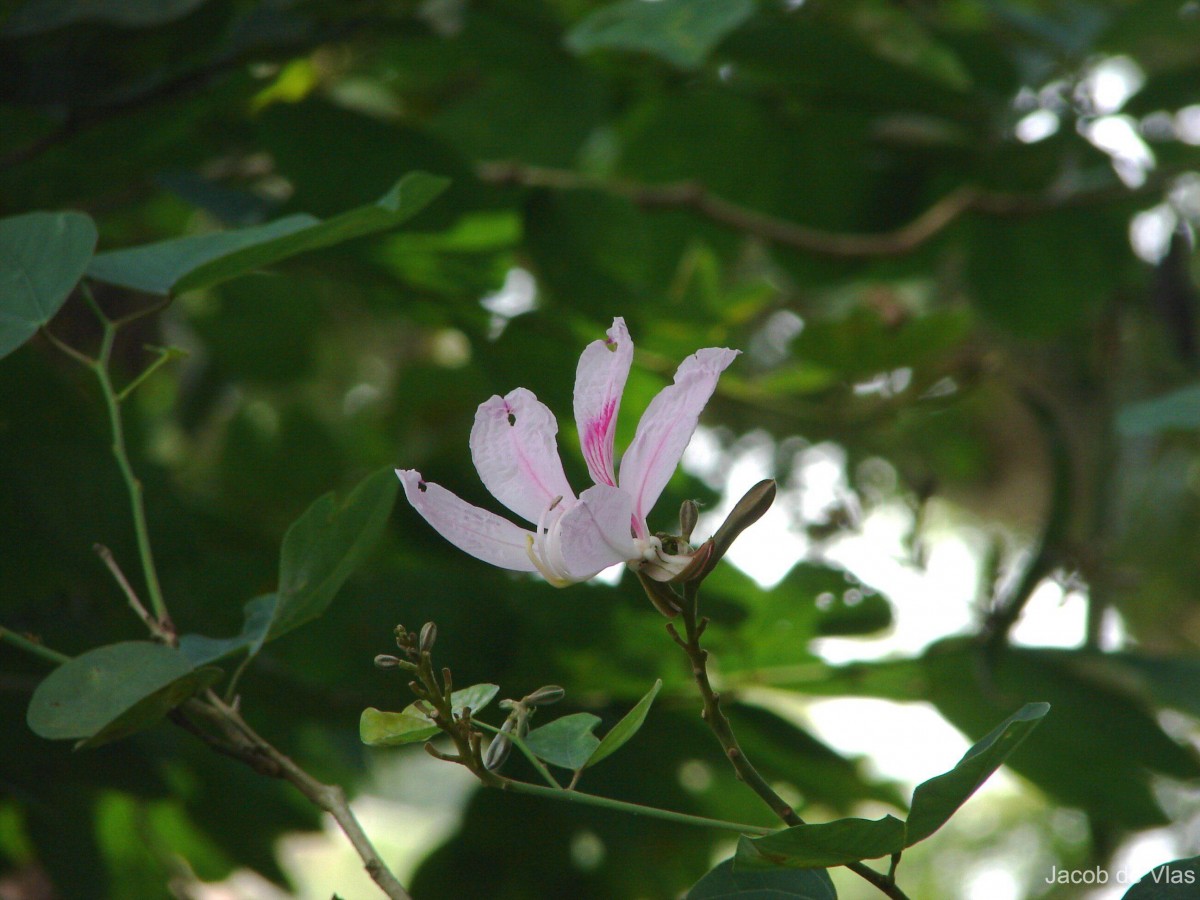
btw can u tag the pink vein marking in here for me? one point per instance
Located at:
(595, 449)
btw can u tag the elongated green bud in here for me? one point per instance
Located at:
(386, 661)
(754, 503)
(544, 696)
(689, 512)
(500, 747)
(428, 637)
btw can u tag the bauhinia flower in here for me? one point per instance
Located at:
(574, 538)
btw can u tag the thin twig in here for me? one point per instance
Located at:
(637, 809)
(106, 556)
(694, 197)
(33, 647)
(133, 486)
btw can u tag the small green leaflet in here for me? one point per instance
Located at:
(569, 742)
(387, 729)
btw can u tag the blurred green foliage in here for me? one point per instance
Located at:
(901, 212)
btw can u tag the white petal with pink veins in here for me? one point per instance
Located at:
(514, 448)
(599, 381)
(476, 531)
(591, 535)
(666, 427)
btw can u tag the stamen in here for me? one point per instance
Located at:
(541, 566)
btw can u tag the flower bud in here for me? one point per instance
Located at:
(754, 503)
(544, 696)
(689, 512)
(387, 661)
(428, 637)
(500, 747)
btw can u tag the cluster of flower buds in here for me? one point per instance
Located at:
(413, 646)
(517, 723)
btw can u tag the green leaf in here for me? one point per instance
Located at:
(113, 691)
(934, 802)
(320, 551)
(827, 844)
(620, 733)
(42, 257)
(258, 615)
(1177, 411)
(324, 546)
(728, 883)
(388, 729)
(682, 32)
(200, 261)
(1175, 880)
(36, 16)
(900, 37)
(566, 742)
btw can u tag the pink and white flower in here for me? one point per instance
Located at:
(514, 449)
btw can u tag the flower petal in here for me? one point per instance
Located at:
(594, 533)
(666, 427)
(513, 446)
(599, 381)
(476, 531)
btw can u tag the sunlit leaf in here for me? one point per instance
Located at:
(377, 728)
(42, 257)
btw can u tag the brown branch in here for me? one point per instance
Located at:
(241, 742)
(715, 717)
(694, 197)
